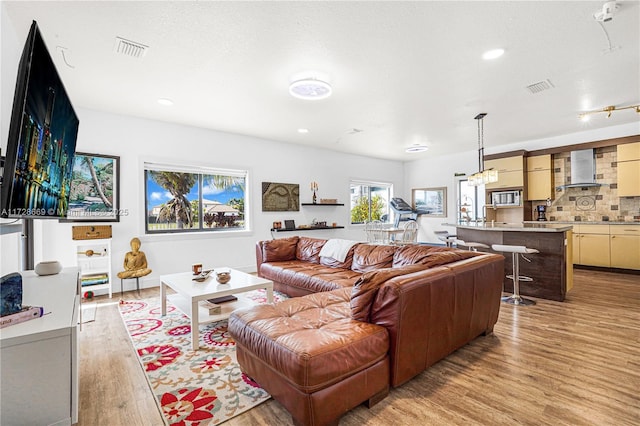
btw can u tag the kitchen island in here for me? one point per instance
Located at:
(551, 269)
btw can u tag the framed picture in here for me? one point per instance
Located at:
(95, 189)
(430, 201)
(280, 197)
(289, 224)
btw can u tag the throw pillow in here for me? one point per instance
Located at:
(279, 250)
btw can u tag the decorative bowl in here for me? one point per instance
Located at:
(50, 267)
(223, 277)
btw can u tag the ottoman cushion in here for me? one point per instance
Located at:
(311, 341)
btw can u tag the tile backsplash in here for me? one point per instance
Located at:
(595, 203)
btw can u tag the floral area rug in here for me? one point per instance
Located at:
(203, 387)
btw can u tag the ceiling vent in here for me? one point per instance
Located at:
(130, 48)
(540, 86)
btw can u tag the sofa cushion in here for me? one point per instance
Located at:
(333, 263)
(368, 257)
(312, 340)
(308, 249)
(280, 249)
(308, 276)
(366, 288)
(428, 256)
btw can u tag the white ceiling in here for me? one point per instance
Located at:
(402, 72)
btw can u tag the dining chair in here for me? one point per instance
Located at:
(374, 232)
(409, 233)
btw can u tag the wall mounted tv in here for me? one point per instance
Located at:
(42, 139)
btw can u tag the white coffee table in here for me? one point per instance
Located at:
(189, 293)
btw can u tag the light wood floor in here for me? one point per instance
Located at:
(570, 363)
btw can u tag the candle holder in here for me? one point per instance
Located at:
(314, 189)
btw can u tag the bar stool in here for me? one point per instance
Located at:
(471, 246)
(516, 252)
(447, 238)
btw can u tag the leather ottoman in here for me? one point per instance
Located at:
(311, 356)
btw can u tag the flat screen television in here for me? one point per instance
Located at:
(42, 136)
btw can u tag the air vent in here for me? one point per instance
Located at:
(130, 48)
(540, 86)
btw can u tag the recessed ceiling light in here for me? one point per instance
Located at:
(165, 101)
(492, 54)
(310, 89)
(416, 148)
(303, 130)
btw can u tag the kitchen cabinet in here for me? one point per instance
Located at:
(510, 172)
(539, 178)
(629, 151)
(625, 246)
(592, 245)
(628, 165)
(576, 245)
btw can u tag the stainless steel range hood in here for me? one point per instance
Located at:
(583, 170)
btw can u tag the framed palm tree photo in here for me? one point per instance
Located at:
(95, 189)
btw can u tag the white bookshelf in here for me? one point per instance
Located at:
(94, 263)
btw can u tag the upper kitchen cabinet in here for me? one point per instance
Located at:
(539, 178)
(629, 169)
(510, 172)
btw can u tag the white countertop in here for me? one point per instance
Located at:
(518, 227)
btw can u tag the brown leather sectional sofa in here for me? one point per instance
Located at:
(374, 320)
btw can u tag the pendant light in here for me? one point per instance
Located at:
(482, 177)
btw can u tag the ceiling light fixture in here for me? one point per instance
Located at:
(310, 89)
(416, 148)
(584, 116)
(482, 176)
(303, 130)
(492, 54)
(310, 85)
(165, 102)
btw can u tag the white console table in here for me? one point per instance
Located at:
(39, 358)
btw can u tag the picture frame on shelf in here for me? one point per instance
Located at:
(289, 224)
(95, 189)
(430, 201)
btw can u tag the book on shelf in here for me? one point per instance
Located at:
(214, 308)
(27, 313)
(222, 299)
(94, 279)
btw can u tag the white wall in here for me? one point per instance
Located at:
(439, 171)
(136, 140)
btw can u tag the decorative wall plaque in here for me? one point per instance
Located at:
(280, 197)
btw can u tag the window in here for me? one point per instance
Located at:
(194, 199)
(370, 201)
(470, 202)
